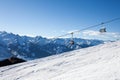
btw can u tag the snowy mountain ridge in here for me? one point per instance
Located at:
(37, 47)
(100, 62)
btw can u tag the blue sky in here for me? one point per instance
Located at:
(50, 18)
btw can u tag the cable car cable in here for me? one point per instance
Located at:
(89, 27)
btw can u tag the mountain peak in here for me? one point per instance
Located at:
(37, 47)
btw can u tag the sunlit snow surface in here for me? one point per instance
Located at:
(100, 62)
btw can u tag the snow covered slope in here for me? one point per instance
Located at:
(100, 62)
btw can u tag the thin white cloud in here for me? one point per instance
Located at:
(30, 35)
(72, 31)
(90, 34)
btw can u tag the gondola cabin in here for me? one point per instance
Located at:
(102, 30)
(71, 42)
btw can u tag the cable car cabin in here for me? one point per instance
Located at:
(102, 30)
(71, 42)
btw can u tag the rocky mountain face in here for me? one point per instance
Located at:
(37, 47)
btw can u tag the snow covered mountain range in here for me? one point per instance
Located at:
(100, 62)
(37, 47)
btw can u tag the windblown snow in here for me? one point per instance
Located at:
(100, 62)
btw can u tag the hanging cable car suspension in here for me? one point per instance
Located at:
(104, 30)
(72, 41)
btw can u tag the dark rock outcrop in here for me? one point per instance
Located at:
(10, 61)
